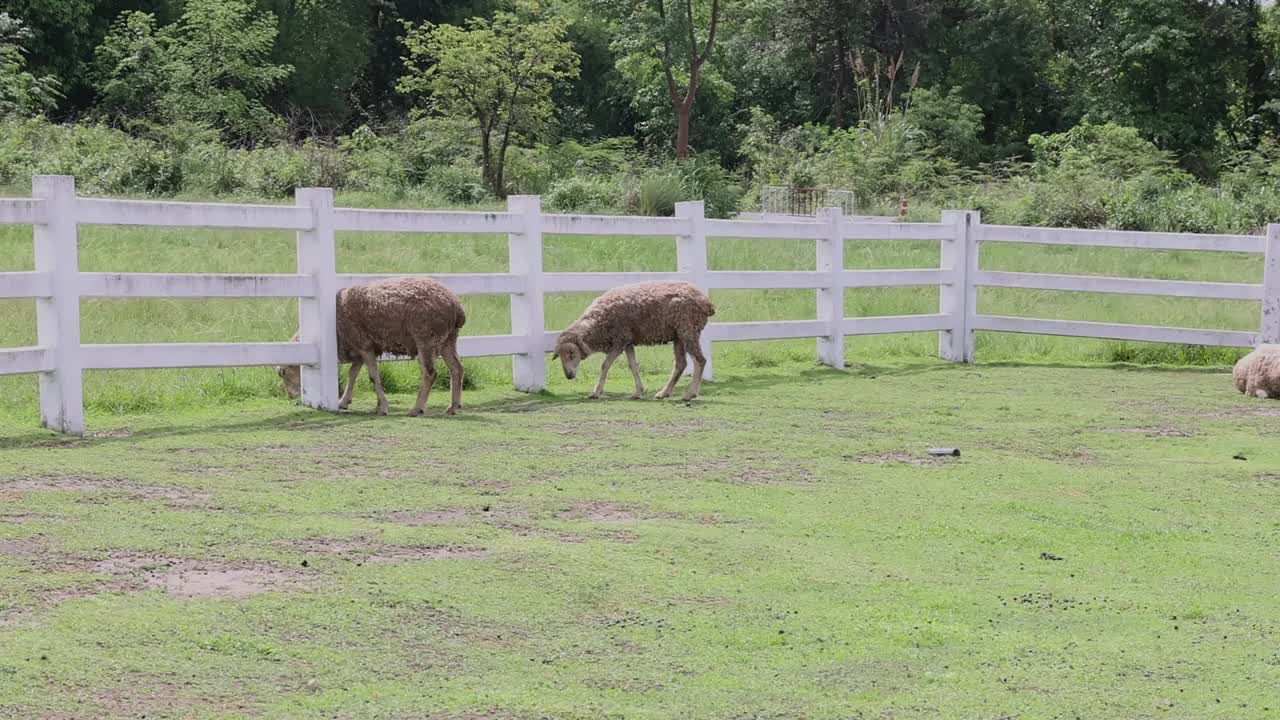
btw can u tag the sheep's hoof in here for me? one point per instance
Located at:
(415, 412)
(638, 396)
(662, 395)
(343, 406)
(593, 396)
(688, 397)
(453, 410)
(380, 411)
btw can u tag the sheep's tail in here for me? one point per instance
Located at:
(461, 319)
(711, 309)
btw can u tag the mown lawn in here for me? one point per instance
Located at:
(781, 548)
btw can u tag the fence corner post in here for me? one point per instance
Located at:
(318, 314)
(958, 299)
(528, 318)
(58, 316)
(1270, 330)
(830, 260)
(691, 259)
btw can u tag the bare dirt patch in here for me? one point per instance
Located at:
(1157, 432)
(1270, 409)
(1071, 493)
(168, 494)
(598, 427)
(604, 512)
(430, 517)
(903, 458)
(362, 551)
(26, 548)
(22, 518)
(186, 578)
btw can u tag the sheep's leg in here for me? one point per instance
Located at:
(427, 359)
(352, 374)
(699, 364)
(454, 363)
(635, 372)
(676, 372)
(371, 362)
(604, 373)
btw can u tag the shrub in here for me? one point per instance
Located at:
(458, 183)
(577, 194)
(658, 194)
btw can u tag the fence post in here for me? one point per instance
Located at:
(528, 319)
(58, 316)
(1271, 288)
(831, 297)
(691, 259)
(959, 299)
(317, 315)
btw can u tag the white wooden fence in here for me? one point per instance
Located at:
(57, 285)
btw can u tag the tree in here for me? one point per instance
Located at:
(211, 67)
(220, 69)
(21, 92)
(130, 69)
(328, 43)
(667, 30)
(501, 73)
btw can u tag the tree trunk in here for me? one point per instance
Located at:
(683, 110)
(486, 161)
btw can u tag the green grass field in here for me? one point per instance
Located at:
(781, 548)
(200, 320)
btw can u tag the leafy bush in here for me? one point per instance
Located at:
(577, 194)
(951, 125)
(658, 194)
(457, 183)
(1111, 150)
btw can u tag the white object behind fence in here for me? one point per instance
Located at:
(58, 286)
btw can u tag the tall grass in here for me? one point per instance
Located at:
(224, 251)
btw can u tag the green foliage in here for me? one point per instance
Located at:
(583, 194)
(949, 124)
(22, 93)
(500, 73)
(1108, 149)
(658, 194)
(211, 67)
(457, 183)
(131, 71)
(328, 43)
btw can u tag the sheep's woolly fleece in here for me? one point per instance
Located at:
(1258, 373)
(642, 314)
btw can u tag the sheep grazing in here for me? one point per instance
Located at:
(1258, 373)
(401, 316)
(653, 313)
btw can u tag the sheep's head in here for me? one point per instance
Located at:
(292, 377)
(570, 352)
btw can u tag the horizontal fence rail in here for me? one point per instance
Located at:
(55, 212)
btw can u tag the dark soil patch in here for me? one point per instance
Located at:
(26, 548)
(604, 512)
(897, 457)
(362, 551)
(167, 494)
(21, 518)
(1157, 432)
(434, 517)
(1271, 409)
(787, 475)
(186, 578)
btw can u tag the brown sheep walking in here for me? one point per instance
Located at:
(653, 313)
(400, 316)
